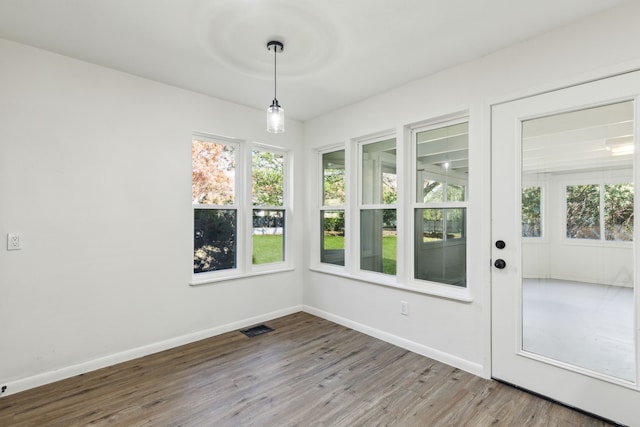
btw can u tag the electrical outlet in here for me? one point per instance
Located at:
(14, 241)
(404, 308)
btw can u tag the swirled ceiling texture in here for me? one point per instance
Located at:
(336, 51)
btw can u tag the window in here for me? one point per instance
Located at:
(590, 208)
(332, 211)
(441, 170)
(531, 212)
(267, 197)
(232, 233)
(214, 206)
(392, 208)
(379, 194)
(618, 212)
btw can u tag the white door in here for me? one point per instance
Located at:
(564, 320)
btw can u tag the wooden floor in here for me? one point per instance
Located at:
(308, 372)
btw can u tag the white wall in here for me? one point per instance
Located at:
(458, 332)
(95, 171)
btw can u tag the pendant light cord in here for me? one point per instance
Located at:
(275, 72)
(275, 45)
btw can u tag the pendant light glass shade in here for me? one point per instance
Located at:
(275, 118)
(275, 113)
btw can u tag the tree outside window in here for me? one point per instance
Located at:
(213, 198)
(531, 212)
(592, 206)
(267, 196)
(618, 212)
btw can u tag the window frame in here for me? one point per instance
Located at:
(322, 208)
(361, 206)
(243, 205)
(286, 208)
(405, 165)
(601, 183)
(433, 287)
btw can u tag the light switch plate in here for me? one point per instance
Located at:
(14, 241)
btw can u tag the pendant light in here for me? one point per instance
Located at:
(275, 113)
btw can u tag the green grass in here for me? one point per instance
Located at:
(333, 242)
(267, 248)
(389, 254)
(389, 250)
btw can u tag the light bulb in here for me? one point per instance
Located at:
(275, 118)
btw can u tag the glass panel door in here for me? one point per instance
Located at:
(577, 270)
(563, 303)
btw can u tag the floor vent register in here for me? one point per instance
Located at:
(256, 330)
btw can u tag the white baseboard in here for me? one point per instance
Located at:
(449, 359)
(124, 356)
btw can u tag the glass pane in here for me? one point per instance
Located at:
(268, 236)
(531, 212)
(433, 191)
(213, 173)
(442, 163)
(577, 295)
(440, 246)
(267, 178)
(455, 192)
(214, 242)
(618, 212)
(333, 190)
(378, 240)
(332, 241)
(389, 188)
(378, 170)
(583, 212)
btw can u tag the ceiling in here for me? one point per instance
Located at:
(336, 52)
(596, 138)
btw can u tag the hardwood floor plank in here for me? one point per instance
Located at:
(307, 372)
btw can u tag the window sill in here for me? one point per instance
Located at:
(211, 280)
(440, 290)
(598, 243)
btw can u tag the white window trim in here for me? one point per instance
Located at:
(405, 206)
(545, 193)
(436, 288)
(616, 176)
(286, 206)
(358, 145)
(244, 208)
(590, 242)
(321, 207)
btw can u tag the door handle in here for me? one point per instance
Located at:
(500, 264)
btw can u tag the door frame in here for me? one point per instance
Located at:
(514, 254)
